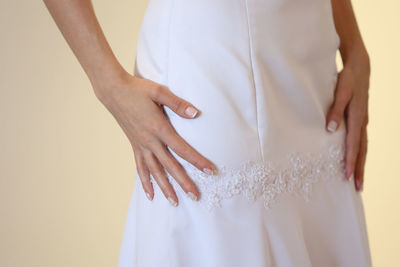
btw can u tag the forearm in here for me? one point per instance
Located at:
(78, 24)
(352, 47)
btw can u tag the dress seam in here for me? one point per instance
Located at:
(167, 81)
(169, 44)
(253, 81)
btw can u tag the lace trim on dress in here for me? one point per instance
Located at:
(268, 179)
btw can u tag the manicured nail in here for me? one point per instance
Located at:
(148, 196)
(172, 201)
(350, 176)
(192, 196)
(191, 111)
(208, 171)
(332, 126)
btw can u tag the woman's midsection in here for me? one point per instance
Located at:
(261, 72)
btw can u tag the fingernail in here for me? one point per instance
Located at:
(208, 171)
(332, 126)
(347, 174)
(172, 201)
(192, 196)
(148, 196)
(191, 111)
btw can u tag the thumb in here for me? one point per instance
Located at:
(336, 112)
(183, 108)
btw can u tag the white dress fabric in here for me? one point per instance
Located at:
(263, 74)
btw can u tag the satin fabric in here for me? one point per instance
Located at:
(263, 74)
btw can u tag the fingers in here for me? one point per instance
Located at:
(164, 131)
(354, 123)
(175, 169)
(164, 96)
(359, 172)
(159, 175)
(137, 110)
(351, 103)
(151, 133)
(144, 174)
(157, 158)
(186, 151)
(343, 94)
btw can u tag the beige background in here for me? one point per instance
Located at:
(67, 170)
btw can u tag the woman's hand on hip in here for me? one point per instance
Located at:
(136, 105)
(351, 103)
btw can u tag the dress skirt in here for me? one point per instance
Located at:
(263, 74)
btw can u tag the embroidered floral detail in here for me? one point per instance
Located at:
(295, 175)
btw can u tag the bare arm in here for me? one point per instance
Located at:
(352, 47)
(351, 95)
(135, 102)
(78, 24)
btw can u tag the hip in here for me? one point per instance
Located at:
(262, 73)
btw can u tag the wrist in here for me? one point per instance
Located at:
(105, 84)
(357, 58)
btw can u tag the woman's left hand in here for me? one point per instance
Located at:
(351, 103)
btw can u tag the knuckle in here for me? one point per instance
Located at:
(345, 94)
(357, 118)
(147, 141)
(144, 178)
(197, 162)
(340, 103)
(155, 126)
(157, 91)
(350, 162)
(339, 107)
(350, 149)
(169, 163)
(163, 129)
(177, 103)
(159, 177)
(360, 116)
(183, 181)
(135, 146)
(198, 159)
(181, 148)
(355, 111)
(351, 84)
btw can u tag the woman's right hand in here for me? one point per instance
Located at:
(136, 105)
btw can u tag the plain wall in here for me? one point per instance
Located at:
(67, 169)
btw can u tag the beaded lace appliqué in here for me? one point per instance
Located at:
(295, 175)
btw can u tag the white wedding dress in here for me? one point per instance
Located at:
(263, 74)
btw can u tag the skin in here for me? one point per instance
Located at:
(352, 91)
(137, 103)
